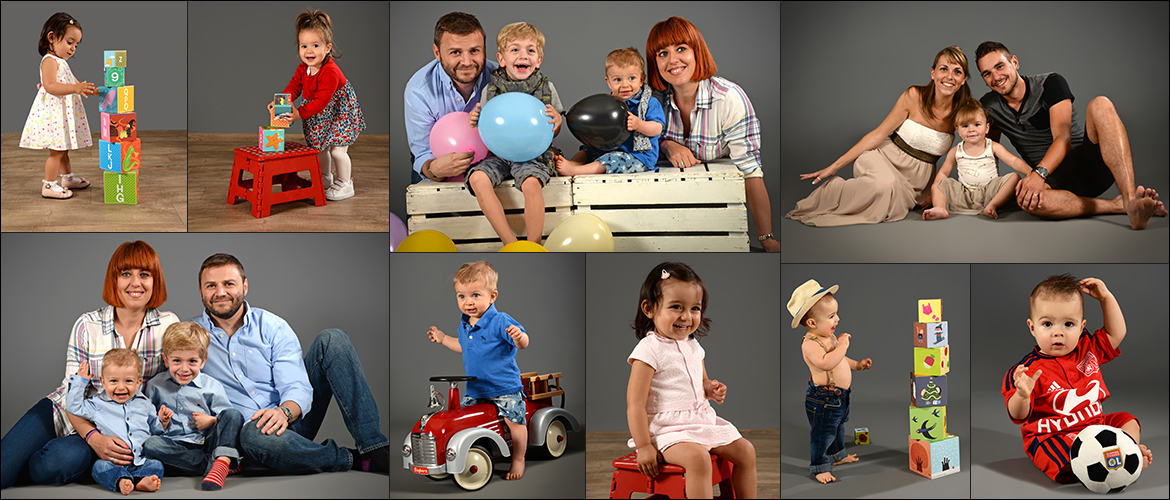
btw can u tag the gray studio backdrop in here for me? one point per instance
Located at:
(243, 52)
(1136, 379)
(153, 34)
(844, 65)
(52, 279)
(877, 305)
(741, 348)
(578, 35)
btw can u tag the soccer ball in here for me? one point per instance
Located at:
(1105, 459)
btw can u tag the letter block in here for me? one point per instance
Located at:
(115, 58)
(861, 435)
(119, 127)
(278, 122)
(282, 103)
(120, 157)
(928, 391)
(928, 424)
(271, 139)
(116, 99)
(932, 360)
(931, 334)
(121, 189)
(934, 459)
(929, 310)
(115, 77)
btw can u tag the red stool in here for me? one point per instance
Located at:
(670, 481)
(269, 168)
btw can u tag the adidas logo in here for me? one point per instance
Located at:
(1054, 387)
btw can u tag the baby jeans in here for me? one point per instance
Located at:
(827, 411)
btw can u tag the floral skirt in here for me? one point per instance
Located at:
(339, 124)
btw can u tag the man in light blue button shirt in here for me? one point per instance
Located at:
(257, 357)
(452, 82)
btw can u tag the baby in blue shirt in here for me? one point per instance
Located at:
(123, 412)
(489, 340)
(202, 428)
(625, 74)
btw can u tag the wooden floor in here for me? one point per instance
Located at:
(602, 447)
(210, 159)
(162, 193)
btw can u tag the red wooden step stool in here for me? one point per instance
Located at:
(670, 481)
(269, 168)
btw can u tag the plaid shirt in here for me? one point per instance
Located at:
(92, 335)
(723, 123)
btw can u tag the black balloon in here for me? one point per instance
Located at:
(599, 121)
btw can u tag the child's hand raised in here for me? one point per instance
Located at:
(436, 335)
(164, 416)
(86, 89)
(473, 116)
(864, 364)
(1094, 288)
(843, 341)
(514, 332)
(1024, 383)
(632, 121)
(83, 370)
(716, 390)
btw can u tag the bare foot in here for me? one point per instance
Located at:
(517, 470)
(825, 477)
(125, 485)
(566, 166)
(990, 212)
(935, 213)
(149, 483)
(1142, 206)
(852, 457)
(1147, 456)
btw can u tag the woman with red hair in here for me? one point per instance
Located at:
(49, 445)
(707, 116)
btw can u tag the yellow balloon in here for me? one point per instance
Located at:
(426, 240)
(580, 233)
(522, 246)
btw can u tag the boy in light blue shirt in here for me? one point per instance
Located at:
(120, 411)
(204, 432)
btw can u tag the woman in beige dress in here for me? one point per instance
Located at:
(895, 162)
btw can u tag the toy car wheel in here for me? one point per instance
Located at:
(478, 470)
(437, 477)
(555, 439)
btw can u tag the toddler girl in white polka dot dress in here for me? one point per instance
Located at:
(57, 119)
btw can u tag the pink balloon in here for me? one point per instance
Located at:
(452, 134)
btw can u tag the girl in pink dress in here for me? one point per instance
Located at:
(666, 400)
(57, 119)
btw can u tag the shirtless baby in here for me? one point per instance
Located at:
(827, 400)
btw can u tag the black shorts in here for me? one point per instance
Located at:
(1083, 172)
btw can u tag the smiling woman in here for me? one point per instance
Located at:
(47, 438)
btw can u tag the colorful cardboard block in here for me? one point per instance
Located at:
(126, 99)
(929, 310)
(121, 189)
(107, 100)
(931, 334)
(120, 157)
(115, 58)
(932, 360)
(282, 103)
(928, 424)
(861, 435)
(928, 391)
(271, 139)
(115, 77)
(934, 459)
(278, 122)
(119, 127)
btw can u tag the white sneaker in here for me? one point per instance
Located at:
(339, 191)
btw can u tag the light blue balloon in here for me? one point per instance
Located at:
(514, 127)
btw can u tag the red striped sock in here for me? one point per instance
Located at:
(214, 479)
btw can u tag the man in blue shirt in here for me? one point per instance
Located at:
(452, 82)
(256, 356)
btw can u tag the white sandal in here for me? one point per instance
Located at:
(68, 181)
(54, 190)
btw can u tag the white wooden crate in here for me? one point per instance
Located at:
(449, 208)
(698, 209)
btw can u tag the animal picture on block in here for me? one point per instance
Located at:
(120, 157)
(928, 424)
(282, 104)
(271, 139)
(120, 189)
(115, 59)
(119, 127)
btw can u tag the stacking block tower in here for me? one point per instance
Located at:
(934, 452)
(272, 136)
(119, 148)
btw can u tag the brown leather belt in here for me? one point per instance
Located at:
(923, 156)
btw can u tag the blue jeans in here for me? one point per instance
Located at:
(508, 406)
(108, 474)
(190, 459)
(827, 411)
(31, 452)
(335, 373)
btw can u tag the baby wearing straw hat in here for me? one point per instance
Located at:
(827, 400)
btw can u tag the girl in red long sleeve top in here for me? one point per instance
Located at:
(330, 114)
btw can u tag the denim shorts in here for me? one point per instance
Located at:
(510, 406)
(499, 170)
(827, 411)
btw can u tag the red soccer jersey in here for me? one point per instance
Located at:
(1068, 395)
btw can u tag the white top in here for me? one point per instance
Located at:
(924, 138)
(976, 171)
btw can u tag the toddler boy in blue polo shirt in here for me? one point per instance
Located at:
(488, 340)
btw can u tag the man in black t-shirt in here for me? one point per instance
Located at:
(1072, 163)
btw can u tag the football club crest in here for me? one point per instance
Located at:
(1113, 459)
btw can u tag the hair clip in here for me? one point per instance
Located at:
(665, 274)
(70, 21)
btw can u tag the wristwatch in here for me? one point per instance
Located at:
(763, 237)
(287, 413)
(1041, 171)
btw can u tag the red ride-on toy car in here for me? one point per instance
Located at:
(461, 442)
